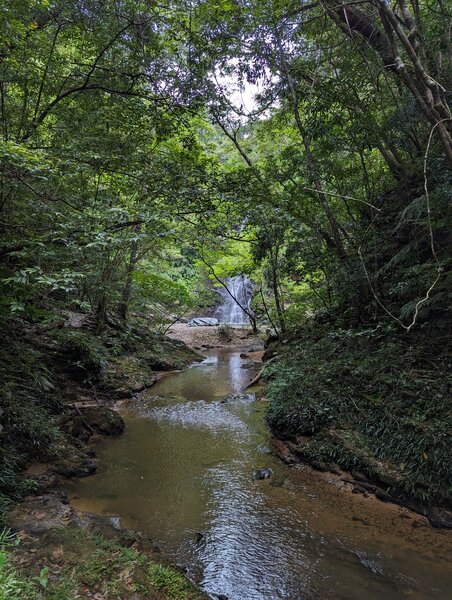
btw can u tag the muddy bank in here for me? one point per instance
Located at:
(356, 483)
(383, 522)
(369, 405)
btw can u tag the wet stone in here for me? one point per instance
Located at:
(203, 322)
(41, 513)
(440, 518)
(264, 473)
(103, 419)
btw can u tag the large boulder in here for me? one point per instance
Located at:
(203, 322)
(123, 376)
(73, 462)
(440, 518)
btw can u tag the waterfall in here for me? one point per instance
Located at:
(229, 311)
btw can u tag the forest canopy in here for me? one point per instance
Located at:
(311, 138)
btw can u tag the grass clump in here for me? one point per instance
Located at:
(13, 586)
(171, 582)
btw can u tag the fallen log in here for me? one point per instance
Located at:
(255, 380)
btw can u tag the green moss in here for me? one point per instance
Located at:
(124, 374)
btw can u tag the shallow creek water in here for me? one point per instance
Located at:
(184, 467)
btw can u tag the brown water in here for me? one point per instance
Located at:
(184, 467)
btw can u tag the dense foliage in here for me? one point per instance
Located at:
(370, 402)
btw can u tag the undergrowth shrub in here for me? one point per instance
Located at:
(368, 395)
(28, 415)
(12, 585)
(86, 353)
(224, 332)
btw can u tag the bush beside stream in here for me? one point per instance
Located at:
(372, 401)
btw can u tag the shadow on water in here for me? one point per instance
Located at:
(183, 473)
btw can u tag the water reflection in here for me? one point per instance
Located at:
(182, 472)
(235, 560)
(237, 376)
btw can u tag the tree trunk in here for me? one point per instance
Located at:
(127, 289)
(310, 160)
(101, 313)
(276, 291)
(399, 29)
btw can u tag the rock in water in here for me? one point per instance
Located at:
(264, 473)
(103, 419)
(440, 518)
(203, 321)
(199, 537)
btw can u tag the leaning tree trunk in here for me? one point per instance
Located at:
(276, 292)
(395, 37)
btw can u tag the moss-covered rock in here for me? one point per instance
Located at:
(39, 514)
(103, 419)
(123, 376)
(73, 462)
(166, 354)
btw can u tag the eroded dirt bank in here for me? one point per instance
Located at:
(369, 405)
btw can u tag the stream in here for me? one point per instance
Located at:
(183, 473)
